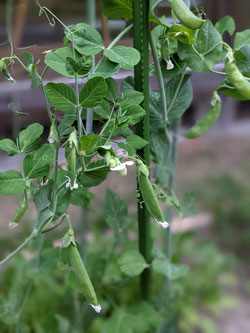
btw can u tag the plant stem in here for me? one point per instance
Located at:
(218, 73)
(47, 103)
(118, 37)
(20, 247)
(159, 77)
(171, 182)
(141, 40)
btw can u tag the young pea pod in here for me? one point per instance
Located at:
(80, 272)
(71, 156)
(53, 134)
(185, 15)
(235, 76)
(207, 121)
(149, 196)
(21, 208)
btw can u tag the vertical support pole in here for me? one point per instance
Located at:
(141, 42)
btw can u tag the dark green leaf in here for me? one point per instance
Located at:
(115, 212)
(93, 92)
(178, 104)
(127, 83)
(225, 24)
(123, 55)
(78, 67)
(208, 49)
(136, 141)
(67, 120)
(61, 96)
(88, 143)
(130, 97)
(242, 58)
(38, 163)
(112, 90)
(11, 183)
(103, 110)
(117, 9)
(81, 197)
(132, 263)
(106, 69)
(29, 138)
(160, 146)
(87, 39)
(56, 60)
(133, 114)
(9, 146)
(41, 199)
(95, 177)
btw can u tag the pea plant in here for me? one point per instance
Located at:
(181, 46)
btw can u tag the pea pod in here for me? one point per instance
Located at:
(21, 208)
(149, 196)
(185, 15)
(207, 121)
(236, 77)
(80, 272)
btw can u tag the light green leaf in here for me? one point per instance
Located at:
(208, 49)
(88, 143)
(225, 24)
(112, 89)
(11, 183)
(121, 321)
(188, 205)
(93, 92)
(227, 88)
(35, 77)
(9, 146)
(242, 58)
(171, 271)
(81, 197)
(105, 70)
(136, 141)
(133, 114)
(123, 55)
(28, 57)
(115, 212)
(29, 138)
(87, 39)
(153, 17)
(117, 9)
(147, 317)
(103, 110)
(38, 163)
(130, 97)
(132, 263)
(61, 96)
(56, 60)
(41, 199)
(241, 38)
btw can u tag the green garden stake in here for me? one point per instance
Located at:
(141, 41)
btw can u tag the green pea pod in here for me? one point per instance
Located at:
(165, 54)
(53, 134)
(82, 277)
(149, 196)
(207, 121)
(236, 77)
(185, 15)
(73, 167)
(21, 208)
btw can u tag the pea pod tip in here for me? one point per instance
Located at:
(97, 308)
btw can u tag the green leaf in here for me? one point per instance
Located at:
(103, 110)
(29, 138)
(81, 197)
(56, 60)
(38, 163)
(160, 145)
(35, 77)
(11, 183)
(80, 67)
(106, 69)
(61, 96)
(123, 55)
(67, 120)
(112, 90)
(95, 177)
(241, 38)
(188, 205)
(178, 104)
(225, 24)
(209, 50)
(153, 17)
(130, 97)
(147, 317)
(133, 114)
(242, 58)
(9, 146)
(28, 57)
(115, 212)
(121, 322)
(93, 92)
(41, 199)
(132, 263)
(88, 143)
(127, 83)
(181, 33)
(171, 271)
(87, 39)
(117, 9)
(136, 141)
(43, 217)
(156, 114)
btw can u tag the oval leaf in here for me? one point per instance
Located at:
(61, 96)
(11, 183)
(132, 263)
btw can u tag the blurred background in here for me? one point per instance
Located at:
(215, 168)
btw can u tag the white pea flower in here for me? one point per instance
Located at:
(170, 65)
(47, 51)
(97, 308)
(75, 185)
(122, 168)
